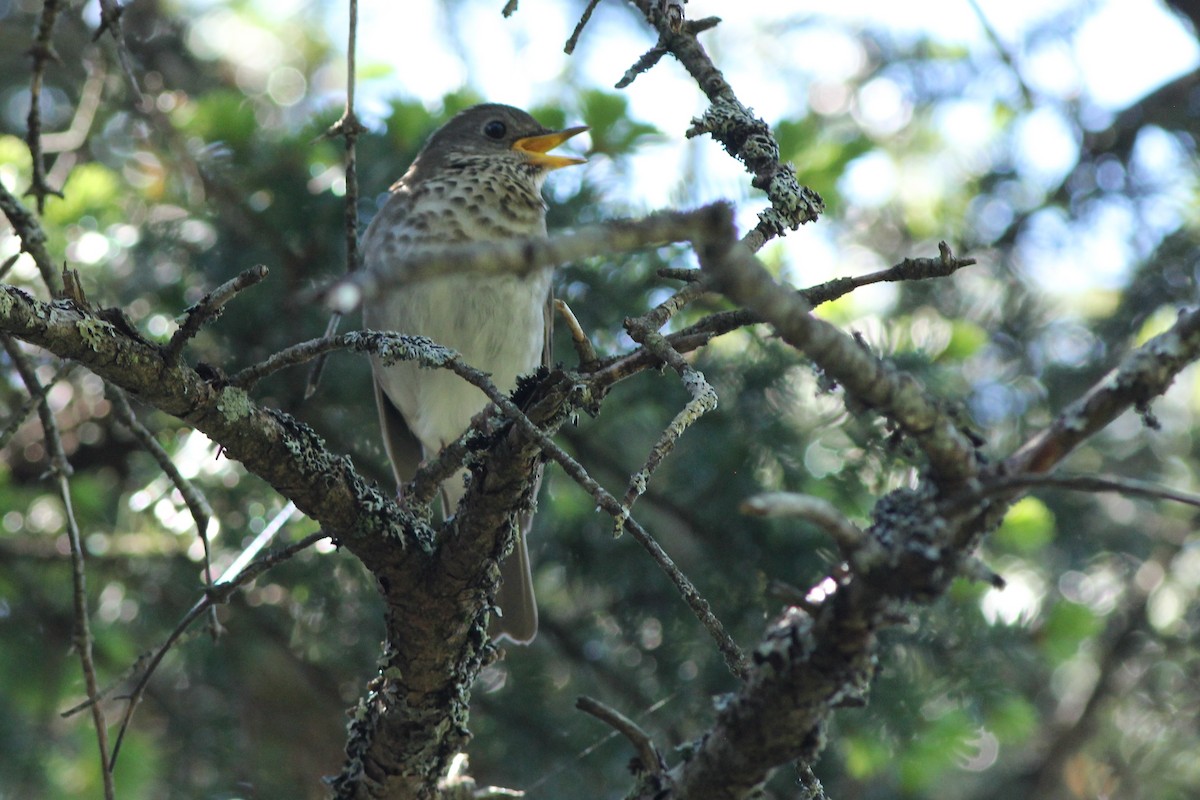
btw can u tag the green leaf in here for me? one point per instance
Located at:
(613, 132)
(864, 757)
(91, 190)
(1013, 720)
(937, 749)
(1067, 625)
(966, 339)
(222, 116)
(1028, 527)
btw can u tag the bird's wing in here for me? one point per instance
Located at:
(403, 448)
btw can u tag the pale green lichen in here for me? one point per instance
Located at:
(6, 303)
(235, 403)
(94, 331)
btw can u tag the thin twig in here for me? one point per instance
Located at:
(29, 405)
(349, 128)
(616, 369)
(32, 236)
(1090, 483)
(652, 762)
(209, 307)
(218, 594)
(81, 636)
(729, 122)
(644, 331)
(76, 133)
(1005, 54)
(41, 52)
(8, 264)
(583, 20)
(685, 274)
(391, 346)
(519, 256)
(291, 356)
(822, 513)
(566, 764)
(83, 633)
(110, 21)
(645, 62)
(193, 498)
(734, 659)
(583, 345)
(950, 450)
(703, 399)
(1141, 376)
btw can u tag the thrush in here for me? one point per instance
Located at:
(478, 178)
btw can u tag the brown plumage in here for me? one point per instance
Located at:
(478, 178)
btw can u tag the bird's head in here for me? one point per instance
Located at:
(497, 131)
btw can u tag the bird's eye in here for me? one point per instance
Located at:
(495, 129)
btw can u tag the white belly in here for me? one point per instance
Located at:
(495, 323)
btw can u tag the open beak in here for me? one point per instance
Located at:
(535, 148)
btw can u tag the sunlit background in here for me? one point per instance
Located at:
(980, 123)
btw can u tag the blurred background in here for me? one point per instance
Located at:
(1053, 141)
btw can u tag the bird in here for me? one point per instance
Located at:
(478, 178)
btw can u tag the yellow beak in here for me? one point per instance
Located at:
(534, 148)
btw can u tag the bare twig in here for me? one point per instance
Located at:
(8, 264)
(644, 330)
(698, 334)
(643, 745)
(644, 63)
(61, 470)
(1142, 375)
(744, 136)
(518, 256)
(391, 346)
(733, 655)
(82, 632)
(1005, 53)
(193, 498)
(41, 52)
(32, 236)
(1090, 483)
(748, 139)
(685, 274)
(85, 112)
(822, 513)
(583, 345)
(217, 594)
(210, 307)
(950, 451)
(29, 405)
(349, 128)
(703, 399)
(110, 21)
(289, 357)
(583, 20)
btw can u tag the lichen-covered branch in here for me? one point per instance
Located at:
(31, 235)
(875, 383)
(518, 256)
(435, 585)
(1142, 375)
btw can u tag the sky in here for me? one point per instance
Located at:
(523, 55)
(1121, 50)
